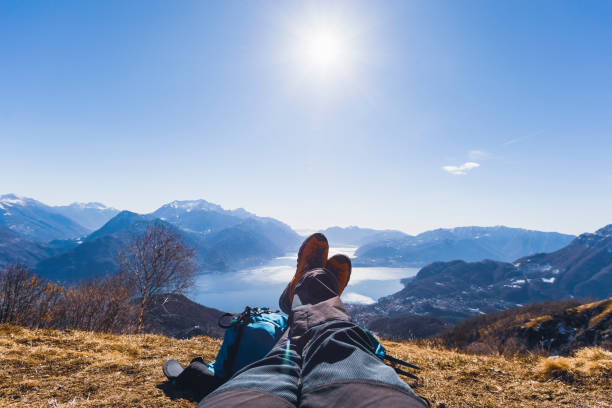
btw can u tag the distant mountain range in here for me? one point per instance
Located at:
(465, 243)
(51, 240)
(61, 243)
(457, 289)
(222, 242)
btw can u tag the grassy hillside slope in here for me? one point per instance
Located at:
(553, 327)
(48, 368)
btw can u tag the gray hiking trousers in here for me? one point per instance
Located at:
(323, 360)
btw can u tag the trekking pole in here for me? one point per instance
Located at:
(402, 362)
(402, 372)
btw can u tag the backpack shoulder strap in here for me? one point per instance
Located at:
(238, 321)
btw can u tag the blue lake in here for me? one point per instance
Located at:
(262, 286)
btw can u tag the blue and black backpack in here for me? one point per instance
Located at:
(249, 336)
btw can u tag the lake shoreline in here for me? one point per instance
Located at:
(261, 286)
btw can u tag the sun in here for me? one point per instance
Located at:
(324, 51)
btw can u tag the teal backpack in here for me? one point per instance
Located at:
(249, 336)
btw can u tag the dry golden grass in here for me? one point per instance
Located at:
(537, 320)
(48, 368)
(586, 364)
(453, 379)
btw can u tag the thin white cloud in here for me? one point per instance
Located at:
(478, 154)
(462, 169)
(520, 139)
(512, 141)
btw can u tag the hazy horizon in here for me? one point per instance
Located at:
(299, 230)
(387, 115)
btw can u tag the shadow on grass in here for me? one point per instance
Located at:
(174, 392)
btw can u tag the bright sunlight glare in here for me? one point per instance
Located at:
(327, 53)
(324, 51)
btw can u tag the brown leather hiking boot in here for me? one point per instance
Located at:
(340, 266)
(312, 255)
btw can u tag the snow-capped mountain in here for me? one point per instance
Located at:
(36, 221)
(90, 215)
(200, 215)
(226, 230)
(203, 217)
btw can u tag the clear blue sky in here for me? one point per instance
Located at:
(137, 103)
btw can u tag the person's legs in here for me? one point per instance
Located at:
(271, 382)
(339, 367)
(274, 380)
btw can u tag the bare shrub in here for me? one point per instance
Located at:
(153, 263)
(100, 304)
(26, 299)
(511, 346)
(157, 262)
